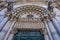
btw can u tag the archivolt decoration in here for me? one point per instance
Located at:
(30, 11)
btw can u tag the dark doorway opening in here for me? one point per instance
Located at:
(28, 35)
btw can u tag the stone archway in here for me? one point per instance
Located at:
(30, 11)
(29, 17)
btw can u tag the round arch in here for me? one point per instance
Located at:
(30, 10)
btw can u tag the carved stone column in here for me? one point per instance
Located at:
(44, 32)
(12, 34)
(46, 35)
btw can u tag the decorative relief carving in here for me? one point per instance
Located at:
(35, 12)
(30, 17)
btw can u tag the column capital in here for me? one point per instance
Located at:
(14, 31)
(43, 31)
